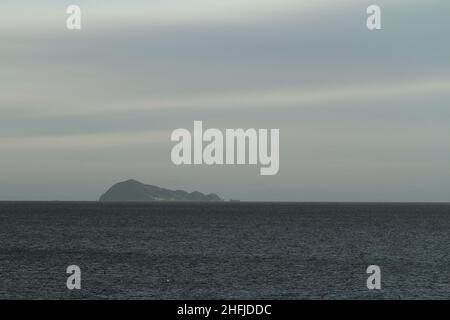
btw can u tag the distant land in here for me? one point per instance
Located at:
(135, 191)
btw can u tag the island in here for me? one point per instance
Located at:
(135, 191)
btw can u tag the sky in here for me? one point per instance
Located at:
(363, 115)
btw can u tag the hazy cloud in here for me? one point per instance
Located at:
(363, 116)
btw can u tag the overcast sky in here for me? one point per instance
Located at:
(363, 116)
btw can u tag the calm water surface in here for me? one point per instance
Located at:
(224, 250)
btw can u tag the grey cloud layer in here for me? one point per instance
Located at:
(316, 76)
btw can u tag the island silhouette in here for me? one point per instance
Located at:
(135, 191)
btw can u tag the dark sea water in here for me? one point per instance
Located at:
(224, 250)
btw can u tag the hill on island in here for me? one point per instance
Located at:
(135, 191)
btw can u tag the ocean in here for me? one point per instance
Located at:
(224, 250)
